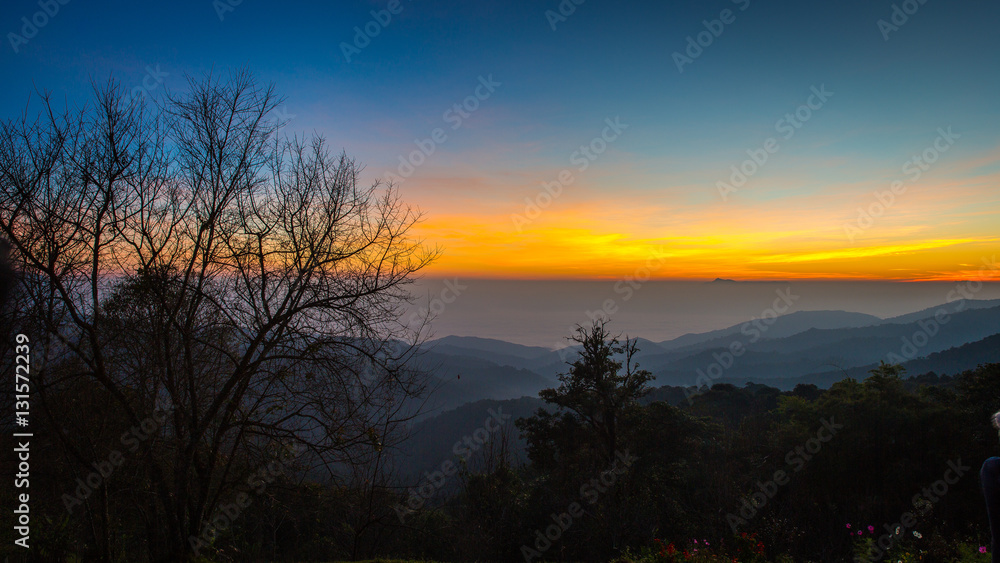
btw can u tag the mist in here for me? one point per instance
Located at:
(543, 313)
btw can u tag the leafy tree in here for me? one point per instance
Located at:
(598, 422)
(596, 390)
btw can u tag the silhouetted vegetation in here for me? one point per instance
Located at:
(673, 474)
(221, 375)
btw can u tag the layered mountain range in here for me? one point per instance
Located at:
(473, 375)
(817, 347)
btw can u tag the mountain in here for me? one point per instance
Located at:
(954, 306)
(804, 347)
(543, 361)
(957, 359)
(460, 379)
(947, 362)
(829, 351)
(473, 375)
(488, 346)
(958, 326)
(433, 439)
(801, 321)
(785, 325)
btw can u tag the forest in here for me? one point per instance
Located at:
(881, 469)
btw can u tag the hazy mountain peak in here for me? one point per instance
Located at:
(489, 345)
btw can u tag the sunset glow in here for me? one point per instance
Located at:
(922, 236)
(803, 142)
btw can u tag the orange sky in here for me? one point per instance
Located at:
(942, 227)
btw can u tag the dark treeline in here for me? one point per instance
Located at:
(610, 476)
(762, 475)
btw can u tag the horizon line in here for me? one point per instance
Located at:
(706, 281)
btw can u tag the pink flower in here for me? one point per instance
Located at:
(848, 526)
(982, 549)
(871, 529)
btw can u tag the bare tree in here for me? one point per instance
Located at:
(197, 268)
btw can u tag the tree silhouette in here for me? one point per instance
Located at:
(191, 264)
(595, 388)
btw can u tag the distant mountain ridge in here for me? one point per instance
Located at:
(785, 325)
(804, 346)
(488, 345)
(959, 305)
(472, 375)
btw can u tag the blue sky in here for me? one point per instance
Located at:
(657, 183)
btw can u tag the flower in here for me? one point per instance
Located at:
(982, 549)
(871, 529)
(859, 532)
(848, 525)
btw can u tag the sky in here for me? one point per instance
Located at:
(589, 139)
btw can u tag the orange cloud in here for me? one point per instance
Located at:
(771, 230)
